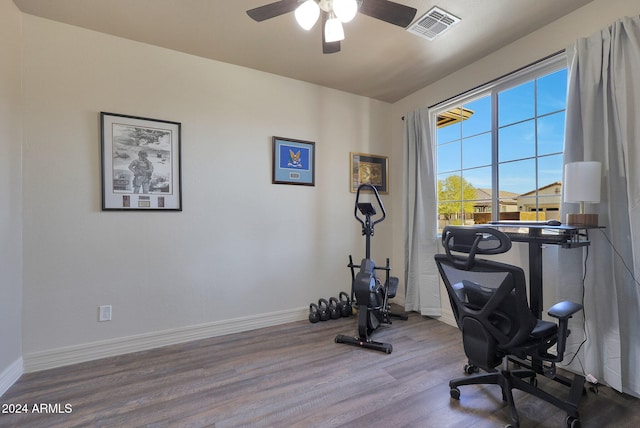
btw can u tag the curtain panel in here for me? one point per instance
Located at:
(421, 276)
(603, 124)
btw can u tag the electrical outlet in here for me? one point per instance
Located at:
(104, 313)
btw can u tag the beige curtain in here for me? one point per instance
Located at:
(420, 235)
(603, 124)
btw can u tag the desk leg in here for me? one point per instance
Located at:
(535, 279)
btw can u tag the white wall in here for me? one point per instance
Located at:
(10, 196)
(550, 39)
(242, 248)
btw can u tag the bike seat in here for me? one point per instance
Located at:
(392, 287)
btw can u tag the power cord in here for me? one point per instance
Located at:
(584, 315)
(613, 247)
(588, 376)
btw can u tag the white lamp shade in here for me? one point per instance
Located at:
(333, 30)
(582, 182)
(345, 10)
(307, 14)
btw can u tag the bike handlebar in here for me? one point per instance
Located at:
(379, 201)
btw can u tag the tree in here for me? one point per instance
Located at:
(455, 194)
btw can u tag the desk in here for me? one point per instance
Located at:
(537, 234)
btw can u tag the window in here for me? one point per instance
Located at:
(500, 147)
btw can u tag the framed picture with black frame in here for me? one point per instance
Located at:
(141, 163)
(369, 169)
(293, 162)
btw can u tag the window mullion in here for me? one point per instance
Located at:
(495, 182)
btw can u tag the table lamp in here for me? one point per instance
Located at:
(582, 184)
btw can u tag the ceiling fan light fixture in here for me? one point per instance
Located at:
(307, 14)
(334, 13)
(333, 31)
(345, 10)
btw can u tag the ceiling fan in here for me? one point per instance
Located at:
(334, 13)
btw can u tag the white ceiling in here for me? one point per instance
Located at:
(377, 60)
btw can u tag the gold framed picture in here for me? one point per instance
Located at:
(369, 169)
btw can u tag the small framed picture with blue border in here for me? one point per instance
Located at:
(293, 162)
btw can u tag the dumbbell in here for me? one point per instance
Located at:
(334, 308)
(345, 304)
(314, 313)
(323, 309)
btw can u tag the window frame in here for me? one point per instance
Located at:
(539, 69)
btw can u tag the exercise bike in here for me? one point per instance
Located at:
(368, 294)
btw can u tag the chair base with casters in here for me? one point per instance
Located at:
(524, 380)
(489, 301)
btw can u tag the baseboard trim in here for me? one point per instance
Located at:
(10, 375)
(108, 348)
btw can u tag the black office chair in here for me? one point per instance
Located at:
(489, 301)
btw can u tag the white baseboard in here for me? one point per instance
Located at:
(10, 375)
(108, 348)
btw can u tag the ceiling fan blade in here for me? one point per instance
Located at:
(388, 11)
(272, 10)
(328, 47)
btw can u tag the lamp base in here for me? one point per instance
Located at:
(585, 220)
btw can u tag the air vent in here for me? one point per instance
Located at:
(433, 23)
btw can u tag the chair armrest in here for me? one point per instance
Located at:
(564, 309)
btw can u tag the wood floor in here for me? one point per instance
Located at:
(292, 375)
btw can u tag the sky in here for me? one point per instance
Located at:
(530, 122)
